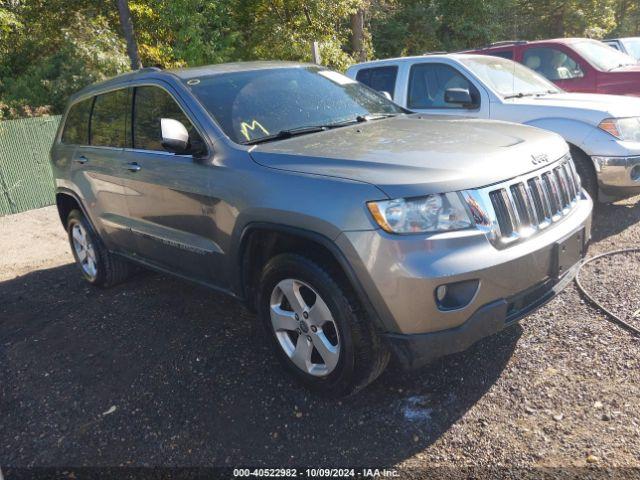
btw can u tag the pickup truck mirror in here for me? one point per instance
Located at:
(386, 95)
(175, 137)
(459, 96)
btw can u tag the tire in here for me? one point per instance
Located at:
(356, 355)
(108, 269)
(587, 173)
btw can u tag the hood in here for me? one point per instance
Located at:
(416, 155)
(587, 107)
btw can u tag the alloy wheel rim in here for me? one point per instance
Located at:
(304, 327)
(85, 252)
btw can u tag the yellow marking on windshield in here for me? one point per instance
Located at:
(246, 127)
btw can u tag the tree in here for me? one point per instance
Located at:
(358, 35)
(129, 34)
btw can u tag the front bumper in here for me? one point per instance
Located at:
(618, 175)
(401, 276)
(415, 351)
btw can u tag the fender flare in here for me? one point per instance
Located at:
(239, 262)
(76, 197)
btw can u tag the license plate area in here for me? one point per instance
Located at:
(567, 252)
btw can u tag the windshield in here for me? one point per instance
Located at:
(508, 78)
(255, 104)
(633, 47)
(602, 56)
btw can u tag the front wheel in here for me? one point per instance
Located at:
(317, 327)
(587, 173)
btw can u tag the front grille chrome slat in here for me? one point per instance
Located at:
(526, 205)
(563, 186)
(573, 190)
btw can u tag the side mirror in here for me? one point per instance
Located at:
(387, 95)
(459, 96)
(175, 137)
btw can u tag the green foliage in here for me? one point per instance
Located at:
(89, 51)
(559, 18)
(51, 48)
(184, 32)
(286, 29)
(9, 23)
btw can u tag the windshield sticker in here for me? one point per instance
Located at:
(336, 77)
(246, 128)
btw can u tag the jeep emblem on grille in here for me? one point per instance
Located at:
(539, 159)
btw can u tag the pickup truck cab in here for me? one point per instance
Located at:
(354, 229)
(574, 64)
(602, 130)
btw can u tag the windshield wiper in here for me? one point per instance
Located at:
(532, 94)
(292, 132)
(620, 66)
(376, 116)
(288, 133)
(520, 95)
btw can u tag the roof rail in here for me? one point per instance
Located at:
(435, 53)
(507, 42)
(149, 69)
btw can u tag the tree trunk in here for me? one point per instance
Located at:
(357, 36)
(129, 35)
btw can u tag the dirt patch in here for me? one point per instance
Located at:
(31, 241)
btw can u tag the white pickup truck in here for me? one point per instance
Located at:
(603, 131)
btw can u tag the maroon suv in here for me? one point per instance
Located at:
(575, 64)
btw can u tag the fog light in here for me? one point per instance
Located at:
(635, 173)
(456, 295)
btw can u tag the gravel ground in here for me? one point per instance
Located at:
(158, 372)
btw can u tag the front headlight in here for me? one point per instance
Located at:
(625, 129)
(433, 213)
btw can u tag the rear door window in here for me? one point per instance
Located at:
(428, 83)
(382, 79)
(552, 63)
(109, 119)
(76, 127)
(150, 105)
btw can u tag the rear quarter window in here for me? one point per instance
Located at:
(382, 79)
(76, 126)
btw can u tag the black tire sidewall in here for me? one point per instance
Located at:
(76, 217)
(585, 170)
(300, 268)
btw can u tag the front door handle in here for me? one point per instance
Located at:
(81, 159)
(133, 167)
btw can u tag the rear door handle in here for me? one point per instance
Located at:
(133, 167)
(82, 159)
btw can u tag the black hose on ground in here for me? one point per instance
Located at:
(615, 318)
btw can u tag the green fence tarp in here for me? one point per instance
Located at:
(26, 181)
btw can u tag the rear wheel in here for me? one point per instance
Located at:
(97, 265)
(317, 327)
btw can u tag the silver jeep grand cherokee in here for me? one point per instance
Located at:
(354, 229)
